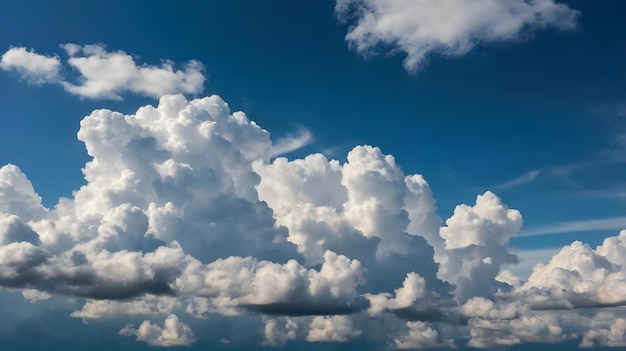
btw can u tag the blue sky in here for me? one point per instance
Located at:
(460, 95)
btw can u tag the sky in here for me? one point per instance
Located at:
(306, 175)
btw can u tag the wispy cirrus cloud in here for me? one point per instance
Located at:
(519, 181)
(291, 142)
(613, 223)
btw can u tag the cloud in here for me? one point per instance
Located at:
(610, 333)
(173, 333)
(476, 246)
(519, 181)
(32, 67)
(291, 142)
(185, 213)
(331, 329)
(276, 335)
(421, 336)
(423, 28)
(104, 74)
(613, 223)
(579, 277)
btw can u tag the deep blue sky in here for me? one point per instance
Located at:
(551, 101)
(466, 124)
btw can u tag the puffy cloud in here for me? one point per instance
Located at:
(421, 336)
(362, 209)
(478, 307)
(173, 333)
(606, 332)
(448, 27)
(107, 74)
(19, 197)
(276, 335)
(476, 246)
(31, 66)
(415, 301)
(579, 276)
(534, 328)
(184, 212)
(331, 329)
(103, 74)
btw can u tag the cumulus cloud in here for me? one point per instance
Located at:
(185, 212)
(104, 74)
(31, 66)
(279, 335)
(579, 276)
(606, 332)
(451, 28)
(331, 329)
(476, 246)
(421, 336)
(173, 333)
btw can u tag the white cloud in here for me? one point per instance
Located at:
(173, 333)
(276, 335)
(185, 213)
(476, 241)
(108, 74)
(421, 336)
(579, 276)
(34, 68)
(103, 74)
(421, 28)
(331, 329)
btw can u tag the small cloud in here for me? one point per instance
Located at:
(291, 142)
(34, 68)
(173, 333)
(104, 74)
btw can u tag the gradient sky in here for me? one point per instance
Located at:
(535, 115)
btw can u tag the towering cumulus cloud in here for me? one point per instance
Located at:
(421, 28)
(185, 218)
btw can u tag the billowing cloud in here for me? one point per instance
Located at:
(579, 276)
(186, 213)
(421, 28)
(104, 74)
(607, 330)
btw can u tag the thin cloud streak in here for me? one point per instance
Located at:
(519, 181)
(291, 142)
(614, 223)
